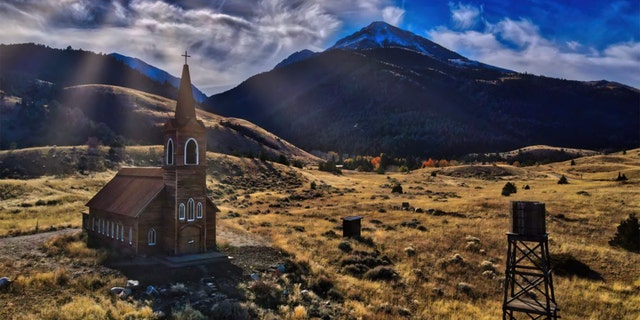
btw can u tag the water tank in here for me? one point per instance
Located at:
(527, 218)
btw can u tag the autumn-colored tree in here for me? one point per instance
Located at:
(443, 163)
(428, 163)
(376, 162)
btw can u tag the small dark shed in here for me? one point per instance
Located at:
(351, 226)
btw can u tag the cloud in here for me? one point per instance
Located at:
(229, 40)
(519, 45)
(464, 16)
(392, 15)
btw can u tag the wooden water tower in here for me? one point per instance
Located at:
(528, 284)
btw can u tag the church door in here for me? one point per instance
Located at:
(189, 241)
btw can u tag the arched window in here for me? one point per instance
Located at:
(122, 233)
(199, 210)
(118, 231)
(107, 228)
(152, 237)
(169, 154)
(190, 210)
(99, 229)
(112, 229)
(130, 235)
(93, 224)
(191, 151)
(181, 210)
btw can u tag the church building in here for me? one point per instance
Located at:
(165, 210)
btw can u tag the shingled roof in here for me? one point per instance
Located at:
(129, 192)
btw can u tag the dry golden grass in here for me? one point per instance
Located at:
(46, 202)
(64, 292)
(583, 216)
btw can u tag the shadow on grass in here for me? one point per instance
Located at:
(566, 265)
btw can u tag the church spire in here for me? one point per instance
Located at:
(186, 105)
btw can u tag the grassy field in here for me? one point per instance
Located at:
(447, 262)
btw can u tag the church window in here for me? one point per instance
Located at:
(118, 231)
(130, 235)
(122, 233)
(191, 152)
(181, 211)
(190, 210)
(112, 229)
(169, 155)
(93, 224)
(199, 210)
(107, 228)
(152, 237)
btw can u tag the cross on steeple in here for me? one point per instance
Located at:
(185, 55)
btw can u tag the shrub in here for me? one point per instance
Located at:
(621, 177)
(228, 310)
(187, 313)
(563, 180)
(299, 312)
(381, 273)
(397, 189)
(267, 294)
(356, 270)
(627, 235)
(282, 159)
(329, 166)
(321, 285)
(345, 246)
(508, 189)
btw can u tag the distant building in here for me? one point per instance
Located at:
(160, 211)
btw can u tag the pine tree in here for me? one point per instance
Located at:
(628, 234)
(508, 189)
(563, 180)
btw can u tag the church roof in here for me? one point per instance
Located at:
(129, 192)
(186, 104)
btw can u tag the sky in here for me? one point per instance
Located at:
(231, 40)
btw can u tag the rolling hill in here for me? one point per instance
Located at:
(383, 89)
(113, 114)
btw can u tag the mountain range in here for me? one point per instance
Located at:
(383, 89)
(379, 90)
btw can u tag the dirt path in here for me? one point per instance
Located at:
(25, 253)
(237, 239)
(29, 246)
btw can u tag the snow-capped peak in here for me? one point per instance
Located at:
(156, 74)
(383, 35)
